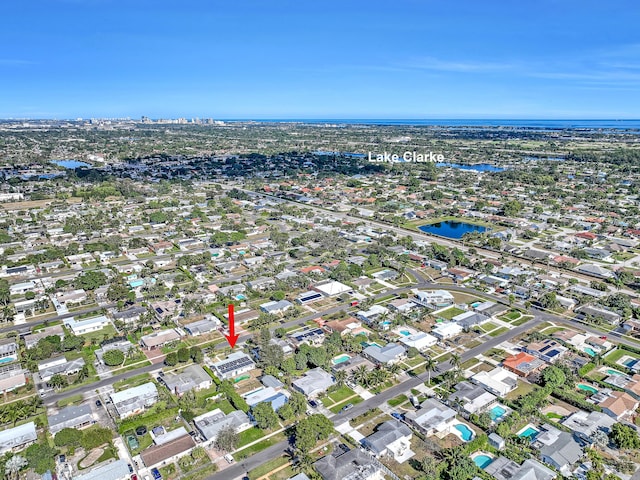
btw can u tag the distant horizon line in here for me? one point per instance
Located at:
(317, 119)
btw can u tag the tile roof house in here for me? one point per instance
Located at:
(619, 405)
(523, 364)
(391, 438)
(167, 452)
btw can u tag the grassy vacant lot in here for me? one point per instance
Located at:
(248, 436)
(450, 312)
(521, 320)
(487, 327)
(522, 389)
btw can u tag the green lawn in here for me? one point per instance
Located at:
(258, 447)
(487, 327)
(618, 353)
(248, 436)
(134, 381)
(522, 389)
(338, 396)
(336, 408)
(450, 312)
(394, 402)
(499, 331)
(267, 467)
(100, 335)
(521, 320)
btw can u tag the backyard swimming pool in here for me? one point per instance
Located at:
(6, 360)
(465, 432)
(497, 412)
(529, 432)
(406, 333)
(340, 359)
(482, 461)
(590, 351)
(587, 388)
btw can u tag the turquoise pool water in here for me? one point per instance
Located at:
(240, 297)
(590, 351)
(406, 333)
(466, 432)
(529, 432)
(340, 359)
(474, 305)
(587, 388)
(6, 360)
(386, 323)
(482, 461)
(497, 412)
(614, 372)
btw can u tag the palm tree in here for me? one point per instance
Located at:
(14, 465)
(394, 369)
(455, 361)
(341, 377)
(361, 375)
(430, 366)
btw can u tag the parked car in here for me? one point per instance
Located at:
(130, 468)
(229, 458)
(348, 406)
(156, 474)
(98, 403)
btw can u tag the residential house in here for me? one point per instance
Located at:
(167, 452)
(471, 398)
(133, 401)
(502, 468)
(87, 325)
(433, 298)
(12, 376)
(387, 355)
(312, 336)
(276, 307)
(585, 424)
(72, 416)
(393, 439)
(355, 464)
(373, 314)
(497, 381)
(433, 417)
(192, 377)
(421, 341)
(59, 366)
(17, 438)
(267, 394)
(445, 330)
(313, 383)
(116, 470)
(557, 448)
(202, 327)
(209, 424)
(523, 364)
(234, 365)
(159, 339)
(547, 350)
(619, 405)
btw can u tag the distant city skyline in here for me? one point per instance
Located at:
(282, 59)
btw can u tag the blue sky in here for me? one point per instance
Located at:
(320, 59)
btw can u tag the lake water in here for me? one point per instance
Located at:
(451, 229)
(70, 163)
(479, 167)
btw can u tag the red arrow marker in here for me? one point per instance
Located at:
(232, 338)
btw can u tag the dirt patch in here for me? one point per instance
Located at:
(26, 205)
(154, 356)
(90, 459)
